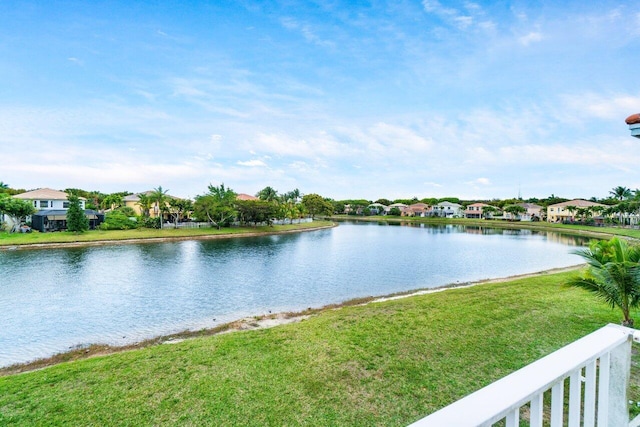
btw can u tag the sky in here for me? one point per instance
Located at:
(346, 99)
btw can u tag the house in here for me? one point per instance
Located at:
(416, 209)
(533, 213)
(475, 210)
(447, 210)
(567, 211)
(133, 201)
(376, 208)
(401, 207)
(52, 208)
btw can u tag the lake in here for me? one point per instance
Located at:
(56, 299)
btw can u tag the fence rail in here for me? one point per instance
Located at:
(595, 369)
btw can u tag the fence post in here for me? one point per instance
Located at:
(619, 373)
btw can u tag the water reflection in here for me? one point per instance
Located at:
(57, 299)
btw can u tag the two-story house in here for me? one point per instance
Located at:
(52, 208)
(476, 210)
(567, 211)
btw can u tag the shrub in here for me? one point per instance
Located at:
(117, 220)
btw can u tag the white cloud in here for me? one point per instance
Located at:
(252, 163)
(532, 37)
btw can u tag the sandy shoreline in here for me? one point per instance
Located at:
(252, 323)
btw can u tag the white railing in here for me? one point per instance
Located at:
(595, 369)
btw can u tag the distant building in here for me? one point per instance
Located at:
(475, 210)
(243, 196)
(447, 210)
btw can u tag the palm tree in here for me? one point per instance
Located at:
(160, 198)
(268, 193)
(3, 186)
(620, 193)
(613, 274)
(145, 202)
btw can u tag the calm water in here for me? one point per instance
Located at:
(54, 300)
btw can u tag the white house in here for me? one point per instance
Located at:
(46, 198)
(52, 206)
(448, 210)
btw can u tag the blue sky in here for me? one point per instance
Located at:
(348, 99)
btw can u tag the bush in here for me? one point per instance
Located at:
(117, 220)
(150, 222)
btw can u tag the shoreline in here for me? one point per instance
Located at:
(253, 323)
(60, 245)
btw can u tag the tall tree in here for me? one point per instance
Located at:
(145, 203)
(178, 209)
(316, 205)
(217, 206)
(268, 194)
(77, 221)
(613, 275)
(159, 198)
(620, 193)
(16, 209)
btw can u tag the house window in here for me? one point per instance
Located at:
(65, 205)
(35, 204)
(44, 203)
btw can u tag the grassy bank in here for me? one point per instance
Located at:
(35, 238)
(579, 230)
(386, 363)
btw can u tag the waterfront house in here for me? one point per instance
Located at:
(567, 211)
(401, 207)
(376, 208)
(416, 209)
(533, 213)
(133, 201)
(447, 210)
(476, 210)
(52, 208)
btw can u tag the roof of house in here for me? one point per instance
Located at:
(449, 204)
(44, 194)
(579, 203)
(529, 205)
(243, 196)
(479, 204)
(136, 197)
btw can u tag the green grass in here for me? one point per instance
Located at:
(11, 239)
(381, 364)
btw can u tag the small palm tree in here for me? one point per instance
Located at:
(613, 275)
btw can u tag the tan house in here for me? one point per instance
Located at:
(475, 210)
(243, 196)
(133, 201)
(533, 213)
(416, 209)
(566, 211)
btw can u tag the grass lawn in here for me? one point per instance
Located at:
(384, 364)
(7, 239)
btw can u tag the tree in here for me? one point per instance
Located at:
(145, 203)
(77, 221)
(620, 193)
(268, 194)
(160, 198)
(613, 275)
(216, 206)
(316, 205)
(4, 186)
(178, 209)
(256, 211)
(112, 201)
(16, 209)
(488, 211)
(515, 210)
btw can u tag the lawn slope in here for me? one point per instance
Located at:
(385, 364)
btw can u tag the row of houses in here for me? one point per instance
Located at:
(52, 206)
(560, 212)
